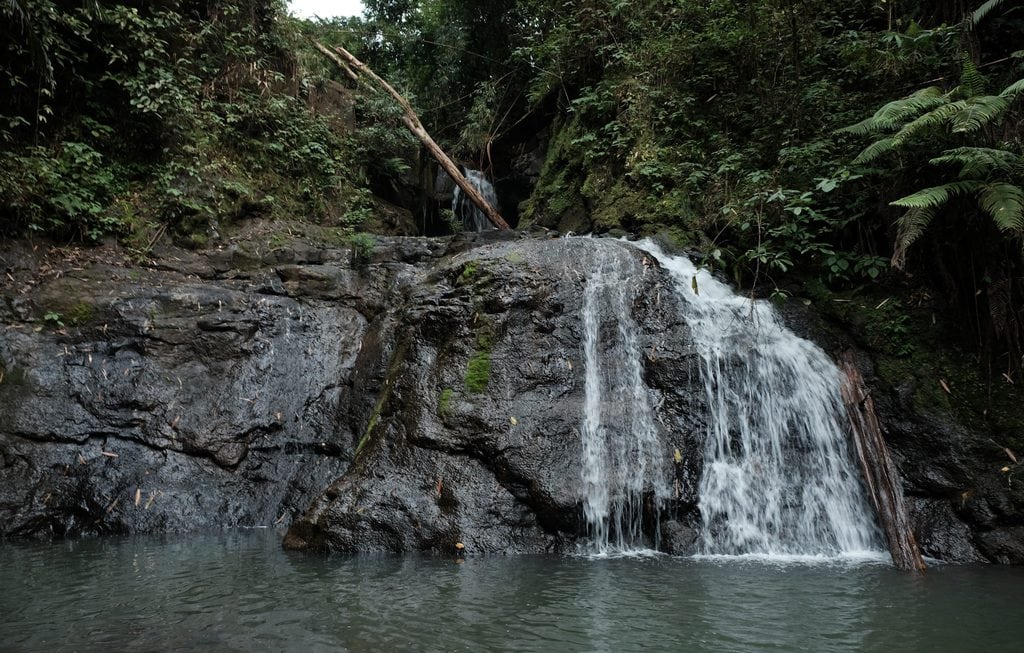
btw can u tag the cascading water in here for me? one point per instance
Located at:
(779, 478)
(473, 219)
(620, 443)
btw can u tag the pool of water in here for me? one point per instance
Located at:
(240, 592)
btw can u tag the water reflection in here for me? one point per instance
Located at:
(240, 592)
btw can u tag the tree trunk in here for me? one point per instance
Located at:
(880, 474)
(347, 63)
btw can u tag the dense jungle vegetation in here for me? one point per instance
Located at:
(842, 144)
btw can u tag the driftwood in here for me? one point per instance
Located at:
(880, 474)
(352, 66)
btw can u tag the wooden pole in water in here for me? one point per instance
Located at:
(879, 472)
(350, 66)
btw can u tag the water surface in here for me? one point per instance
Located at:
(240, 592)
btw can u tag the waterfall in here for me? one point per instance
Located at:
(620, 442)
(779, 477)
(473, 219)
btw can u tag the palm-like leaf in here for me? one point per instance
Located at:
(1005, 203)
(875, 150)
(984, 10)
(978, 112)
(936, 196)
(937, 117)
(897, 112)
(980, 162)
(972, 82)
(1013, 89)
(909, 228)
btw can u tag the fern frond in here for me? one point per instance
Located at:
(936, 196)
(1005, 203)
(935, 118)
(981, 12)
(909, 228)
(1013, 89)
(875, 150)
(897, 112)
(972, 82)
(978, 112)
(979, 162)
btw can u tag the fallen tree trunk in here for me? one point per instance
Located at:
(879, 472)
(350, 66)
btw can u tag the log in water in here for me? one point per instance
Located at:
(880, 473)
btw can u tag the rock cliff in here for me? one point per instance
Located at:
(427, 396)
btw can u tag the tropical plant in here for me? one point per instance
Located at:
(989, 174)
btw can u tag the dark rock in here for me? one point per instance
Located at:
(443, 460)
(171, 403)
(435, 390)
(962, 506)
(678, 539)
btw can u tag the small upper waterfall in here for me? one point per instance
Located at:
(621, 457)
(472, 218)
(779, 477)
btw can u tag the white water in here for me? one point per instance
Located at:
(621, 459)
(779, 479)
(473, 219)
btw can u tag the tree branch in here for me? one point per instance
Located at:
(347, 62)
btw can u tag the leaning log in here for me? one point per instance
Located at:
(352, 66)
(879, 472)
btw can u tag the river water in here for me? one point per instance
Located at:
(240, 592)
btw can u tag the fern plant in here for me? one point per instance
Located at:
(989, 174)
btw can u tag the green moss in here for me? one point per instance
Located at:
(80, 314)
(676, 238)
(557, 200)
(62, 310)
(469, 271)
(374, 418)
(478, 372)
(478, 369)
(444, 402)
(385, 394)
(913, 352)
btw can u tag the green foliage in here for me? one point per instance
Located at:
(64, 188)
(983, 11)
(362, 245)
(193, 115)
(986, 173)
(54, 318)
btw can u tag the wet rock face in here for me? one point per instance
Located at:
(180, 396)
(962, 506)
(430, 396)
(473, 400)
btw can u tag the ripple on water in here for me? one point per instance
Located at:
(240, 592)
